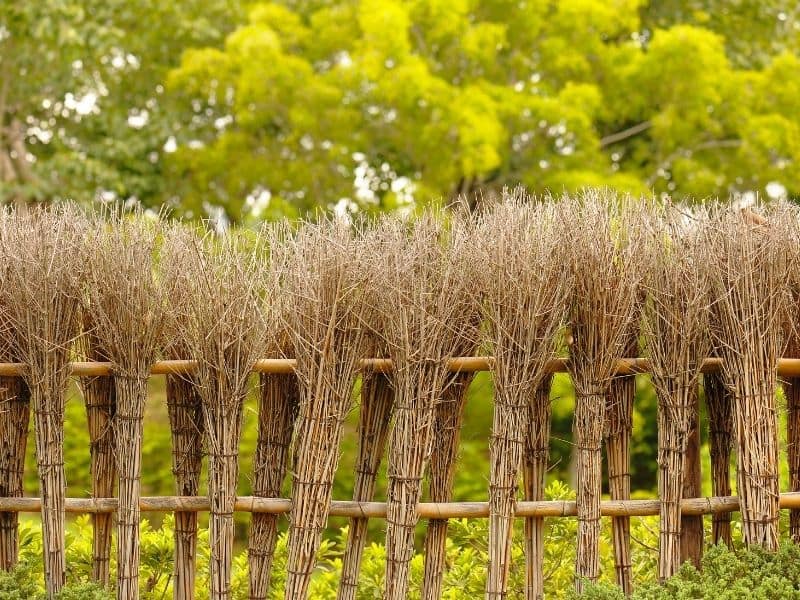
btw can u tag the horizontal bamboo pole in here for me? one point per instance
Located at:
(377, 510)
(787, 367)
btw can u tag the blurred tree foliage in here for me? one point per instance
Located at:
(256, 110)
(82, 104)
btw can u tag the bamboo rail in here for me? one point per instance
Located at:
(377, 510)
(787, 367)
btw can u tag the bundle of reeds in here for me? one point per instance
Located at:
(185, 413)
(447, 419)
(224, 326)
(619, 426)
(605, 260)
(720, 434)
(43, 263)
(374, 418)
(325, 287)
(277, 412)
(526, 290)
(749, 270)
(675, 326)
(101, 404)
(534, 471)
(14, 419)
(421, 278)
(127, 300)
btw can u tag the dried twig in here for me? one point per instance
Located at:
(675, 326)
(43, 268)
(374, 418)
(127, 299)
(619, 426)
(101, 405)
(748, 271)
(14, 419)
(185, 412)
(526, 291)
(604, 256)
(421, 293)
(224, 326)
(325, 289)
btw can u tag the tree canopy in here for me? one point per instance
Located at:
(264, 109)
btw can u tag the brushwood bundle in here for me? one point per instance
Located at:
(395, 314)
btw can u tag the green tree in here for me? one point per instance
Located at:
(82, 109)
(369, 104)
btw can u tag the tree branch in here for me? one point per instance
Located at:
(625, 133)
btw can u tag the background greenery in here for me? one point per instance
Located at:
(242, 110)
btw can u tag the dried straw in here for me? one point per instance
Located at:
(277, 411)
(374, 417)
(526, 290)
(748, 271)
(534, 472)
(14, 419)
(447, 420)
(325, 288)
(43, 267)
(675, 326)
(187, 427)
(127, 299)
(692, 529)
(421, 278)
(101, 405)
(605, 260)
(619, 426)
(720, 433)
(224, 326)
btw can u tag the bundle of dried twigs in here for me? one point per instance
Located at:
(750, 284)
(720, 434)
(534, 471)
(605, 259)
(421, 290)
(619, 426)
(447, 419)
(277, 411)
(14, 419)
(675, 327)
(224, 326)
(185, 412)
(325, 288)
(526, 291)
(374, 418)
(43, 267)
(100, 398)
(127, 299)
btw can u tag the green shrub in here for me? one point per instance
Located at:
(725, 575)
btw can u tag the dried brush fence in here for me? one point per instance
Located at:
(406, 307)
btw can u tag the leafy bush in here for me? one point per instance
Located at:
(725, 575)
(465, 577)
